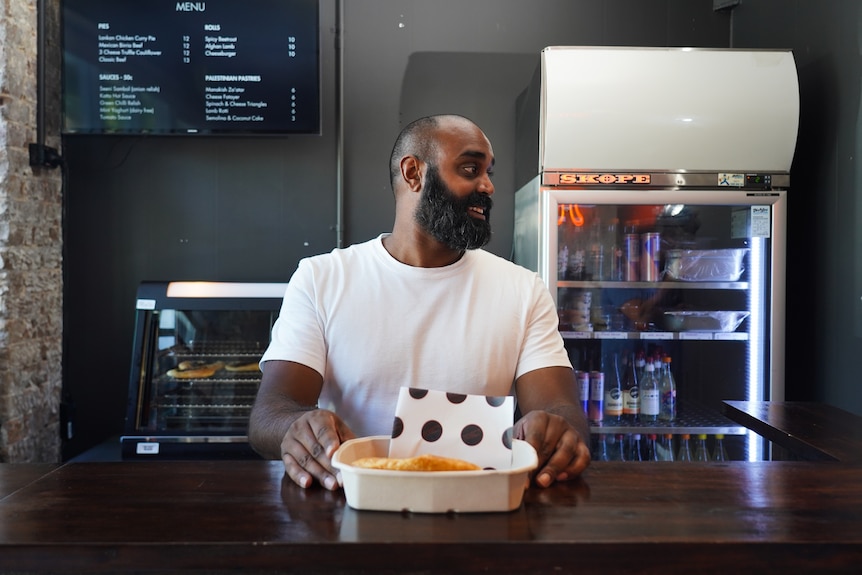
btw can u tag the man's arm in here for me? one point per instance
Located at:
(287, 390)
(286, 424)
(554, 423)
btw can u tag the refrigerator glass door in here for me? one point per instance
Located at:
(697, 275)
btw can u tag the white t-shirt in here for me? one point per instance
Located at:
(370, 324)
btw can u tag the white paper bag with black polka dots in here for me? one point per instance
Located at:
(475, 428)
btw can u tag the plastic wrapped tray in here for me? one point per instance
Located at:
(705, 265)
(431, 491)
(716, 321)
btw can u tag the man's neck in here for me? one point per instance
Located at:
(420, 250)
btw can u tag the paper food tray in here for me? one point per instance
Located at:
(705, 265)
(431, 491)
(715, 321)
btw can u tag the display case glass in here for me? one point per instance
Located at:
(195, 369)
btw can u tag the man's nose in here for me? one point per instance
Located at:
(486, 186)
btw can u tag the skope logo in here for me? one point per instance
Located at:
(604, 179)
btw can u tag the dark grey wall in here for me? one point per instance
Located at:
(824, 264)
(408, 58)
(248, 209)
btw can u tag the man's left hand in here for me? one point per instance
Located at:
(563, 453)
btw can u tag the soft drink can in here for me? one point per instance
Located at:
(582, 381)
(632, 257)
(597, 396)
(650, 255)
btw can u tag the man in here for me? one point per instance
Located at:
(419, 307)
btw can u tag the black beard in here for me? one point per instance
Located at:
(446, 218)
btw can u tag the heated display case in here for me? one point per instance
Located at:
(657, 218)
(194, 373)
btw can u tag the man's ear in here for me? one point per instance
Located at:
(411, 173)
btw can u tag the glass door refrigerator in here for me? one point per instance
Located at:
(657, 217)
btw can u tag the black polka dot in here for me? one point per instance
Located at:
(432, 431)
(472, 435)
(495, 401)
(417, 393)
(507, 438)
(397, 427)
(456, 398)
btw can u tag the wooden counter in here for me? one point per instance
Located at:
(652, 517)
(14, 477)
(810, 431)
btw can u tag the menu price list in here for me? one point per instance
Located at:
(194, 67)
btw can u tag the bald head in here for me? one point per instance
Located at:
(420, 138)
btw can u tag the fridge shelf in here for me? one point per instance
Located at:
(692, 418)
(654, 285)
(657, 335)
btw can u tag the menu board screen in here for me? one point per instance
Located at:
(211, 67)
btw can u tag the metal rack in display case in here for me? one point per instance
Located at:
(194, 373)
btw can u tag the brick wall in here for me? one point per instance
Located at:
(31, 280)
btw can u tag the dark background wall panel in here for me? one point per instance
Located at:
(824, 259)
(248, 209)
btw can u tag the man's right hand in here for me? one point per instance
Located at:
(308, 446)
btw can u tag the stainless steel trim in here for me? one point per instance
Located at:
(660, 179)
(186, 439)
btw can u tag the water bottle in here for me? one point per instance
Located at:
(667, 392)
(685, 453)
(616, 448)
(719, 453)
(665, 448)
(649, 395)
(631, 395)
(701, 453)
(601, 453)
(652, 449)
(635, 452)
(613, 393)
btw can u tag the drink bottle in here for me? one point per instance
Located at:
(631, 396)
(577, 255)
(640, 364)
(616, 449)
(596, 253)
(665, 448)
(613, 393)
(685, 448)
(562, 261)
(597, 393)
(701, 453)
(652, 449)
(601, 453)
(635, 451)
(667, 392)
(719, 453)
(649, 395)
(614, 262)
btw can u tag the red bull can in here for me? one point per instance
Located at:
(632, 257)
(650, 255)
